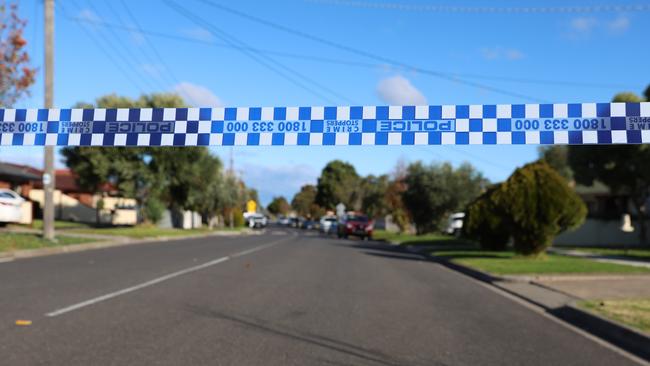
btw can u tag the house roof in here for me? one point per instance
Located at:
(18, 173)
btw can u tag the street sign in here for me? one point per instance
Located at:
(251, 206)
(492, 124)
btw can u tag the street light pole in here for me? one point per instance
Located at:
(48, 174)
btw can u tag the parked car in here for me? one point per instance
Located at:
(455, 224)
(294, 222)
(257, 221)
(307, 224)
(10, 206)
(354, 224)
(328, 224)
(284, 221)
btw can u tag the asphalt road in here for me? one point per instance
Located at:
(273, 299)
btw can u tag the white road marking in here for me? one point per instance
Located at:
(157, 280)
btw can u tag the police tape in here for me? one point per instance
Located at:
(496, 124)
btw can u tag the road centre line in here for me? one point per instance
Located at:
(159, 280)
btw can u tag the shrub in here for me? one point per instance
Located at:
(537, 204)
(153, 210)
(486, 222)
(238, 217)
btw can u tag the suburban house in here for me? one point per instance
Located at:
(603, 223)
(71, 202)
(21, 179)
(75, 204)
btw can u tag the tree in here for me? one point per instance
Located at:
(435, 191)
(279, 206)
(557, 157)
(337, 183)
(304, 202)
(373, 195)
(486, 221)
(126, 169)
(623, 168)
(536, 204)
(187, 178)
(393, 197)
(15, 74)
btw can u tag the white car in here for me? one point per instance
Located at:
(256, 220)
(455, 224)
(328, 224)
(10, 206)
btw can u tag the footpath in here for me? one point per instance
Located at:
(559, 295)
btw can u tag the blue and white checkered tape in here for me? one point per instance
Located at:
(497, 124)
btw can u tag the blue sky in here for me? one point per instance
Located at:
(592, 55)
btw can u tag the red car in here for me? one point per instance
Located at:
(355, 225)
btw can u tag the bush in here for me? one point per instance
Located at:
(538, 204)
(238, 217)
(486, 222)
(153, 210)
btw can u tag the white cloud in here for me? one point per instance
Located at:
(583, 24)
(197, 95)
(88, 15)
(198, 33)
(500, 53)
(398, 90)
(619, 25)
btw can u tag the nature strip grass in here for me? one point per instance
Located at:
(508, 263)
(632, 312)
(21, 241)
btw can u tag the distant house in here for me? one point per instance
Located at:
(19, 178)
(603, 223)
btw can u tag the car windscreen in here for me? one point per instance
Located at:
(7, 195)
(358, 218)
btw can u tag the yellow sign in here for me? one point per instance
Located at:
(251, 206)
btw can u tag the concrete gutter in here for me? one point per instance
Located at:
(562, 306)
(108, 242)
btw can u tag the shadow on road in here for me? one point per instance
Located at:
(257, 325)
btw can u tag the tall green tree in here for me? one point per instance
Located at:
(338, 183)
(623, 168)
(187, 178)
(304, 202)
(372, 195)
(437, 190)
(557, 157)
(16, 76)
(279, 206)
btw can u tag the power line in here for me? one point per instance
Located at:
(311, 37)
(130, 57)
(161, 59)
(108, 54)
(617, 8)
(346, 62)
(269, 63)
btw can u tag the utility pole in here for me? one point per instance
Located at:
(48, 174)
